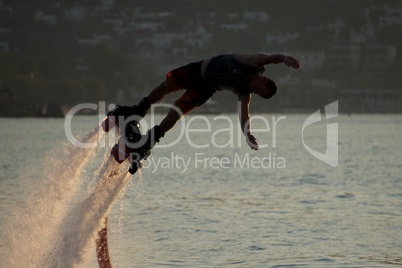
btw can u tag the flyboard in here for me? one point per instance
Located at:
(127, 148)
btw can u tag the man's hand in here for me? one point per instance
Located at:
(290, 61)
(252, 142)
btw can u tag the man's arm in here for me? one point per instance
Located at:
(258, 60)
(244, 118)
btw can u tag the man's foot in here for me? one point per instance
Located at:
(137, 111)
(136, 146)
(137, 154)
(125, 111)
(136, 159)
(131, 141)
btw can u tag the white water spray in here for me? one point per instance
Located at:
(58, 225)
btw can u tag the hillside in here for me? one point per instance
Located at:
(70, 51)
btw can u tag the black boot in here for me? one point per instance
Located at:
(139, 110)
(142, 144)
(138, 154)
(153, 136)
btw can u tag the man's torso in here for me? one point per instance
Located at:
(226, 72)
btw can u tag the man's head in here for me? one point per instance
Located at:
(262, 86)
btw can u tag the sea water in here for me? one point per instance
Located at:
(205, 199)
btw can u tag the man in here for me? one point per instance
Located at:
(240, 73)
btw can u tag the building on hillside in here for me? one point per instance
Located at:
(341, 57)
(378, 57)
(77, 13)
(49, 19)
(359, 100)
(310, 60)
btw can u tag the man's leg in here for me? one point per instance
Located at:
(183, 105)
(170, 120)
(190, 99)
(175, 80)
(159, 92)
(155, 96)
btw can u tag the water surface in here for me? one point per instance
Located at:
(300, 213)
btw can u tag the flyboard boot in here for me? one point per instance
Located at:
(126, 118)
(119, 114)
(143, 151)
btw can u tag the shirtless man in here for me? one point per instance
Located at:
(240, 73)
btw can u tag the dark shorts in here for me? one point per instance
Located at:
(189, 77)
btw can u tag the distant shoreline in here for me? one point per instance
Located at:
(212, 113)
